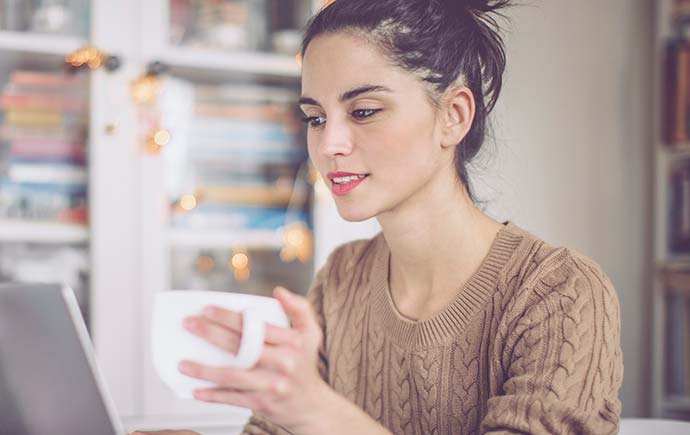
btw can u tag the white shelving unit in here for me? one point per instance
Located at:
(205, 61)
(43, 232)
(36, 43)
(221, 239)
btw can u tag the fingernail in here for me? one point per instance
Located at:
(199, 394)
(189, 323)
(183, 367)
(209, 311)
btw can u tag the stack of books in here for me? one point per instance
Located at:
(245, 150)
(43, 136)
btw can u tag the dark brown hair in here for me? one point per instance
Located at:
(441, 41)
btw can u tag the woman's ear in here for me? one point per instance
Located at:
(458, 109)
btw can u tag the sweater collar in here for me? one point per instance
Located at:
(454, 318)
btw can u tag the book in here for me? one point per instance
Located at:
(675, 343)
(39, 101)
(280, 113)
(15, 89)
(59, 134)
(48, 150)
(248, 153)
(273, 196)
(31, 117)
(43, 202)
(217, 217)
(47, 173)
(679, 206)
(244, 93)
(676, 94)
(240, 130)
(46, 79)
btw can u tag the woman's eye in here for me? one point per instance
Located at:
(364, 113)
(314, 121)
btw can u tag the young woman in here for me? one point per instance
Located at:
(447, 322)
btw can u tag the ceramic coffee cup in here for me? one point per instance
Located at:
(172, 343)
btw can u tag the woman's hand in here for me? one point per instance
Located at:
(285, 385)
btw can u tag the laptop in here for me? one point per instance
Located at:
(50, 383)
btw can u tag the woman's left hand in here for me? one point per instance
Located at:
(284, 383)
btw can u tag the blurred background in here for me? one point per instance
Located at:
(148, 145)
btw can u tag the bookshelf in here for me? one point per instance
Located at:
(135, 241)
(671, 288)
(44, 231)
(157, 215)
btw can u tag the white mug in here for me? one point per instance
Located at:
(172, 343)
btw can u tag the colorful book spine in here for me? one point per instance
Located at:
(274, 196)
(214, 217)
(48, 150)
(38, 201)
(679, 207)
(47, 173)
(45, 102)
(46, 79)
(676, 104)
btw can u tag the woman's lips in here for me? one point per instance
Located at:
(340, 189)
(343, 189)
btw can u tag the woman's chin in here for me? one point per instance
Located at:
(351, 215)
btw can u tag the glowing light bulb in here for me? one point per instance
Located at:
(188, 202)
(161, 137)
(240, 261)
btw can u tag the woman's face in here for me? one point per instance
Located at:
(373, 133)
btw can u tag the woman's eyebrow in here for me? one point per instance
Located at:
(352, 93)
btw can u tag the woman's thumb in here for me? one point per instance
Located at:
(297, 308)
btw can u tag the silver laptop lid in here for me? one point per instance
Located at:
(49, 379)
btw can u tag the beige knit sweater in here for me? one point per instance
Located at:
(531, 344)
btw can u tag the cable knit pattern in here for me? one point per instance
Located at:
(530, 345)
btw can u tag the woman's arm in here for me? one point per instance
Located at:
(562, 357)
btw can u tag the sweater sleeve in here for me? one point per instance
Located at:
(561, 360)
(258, 425)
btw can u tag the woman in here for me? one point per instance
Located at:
(447, 322)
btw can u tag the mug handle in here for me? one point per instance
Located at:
(252, 340)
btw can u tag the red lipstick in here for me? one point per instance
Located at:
(346, 181)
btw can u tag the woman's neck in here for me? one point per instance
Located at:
(436, 244)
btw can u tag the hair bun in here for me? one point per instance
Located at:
(477, 6)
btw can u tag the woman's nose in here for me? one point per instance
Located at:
(336, 140)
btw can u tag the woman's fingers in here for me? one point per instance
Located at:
(214, 333)
(230, 319)
(279, 360)
(226, 396)
(215, 320)
(233, 378)
(298, 310)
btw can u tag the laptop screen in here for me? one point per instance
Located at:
(47, 385)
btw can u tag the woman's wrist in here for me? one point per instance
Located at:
(333, 414)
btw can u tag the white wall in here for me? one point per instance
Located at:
(571, 159)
